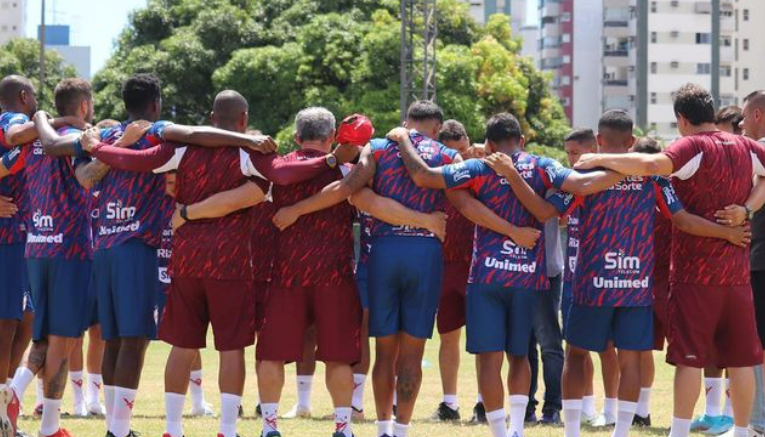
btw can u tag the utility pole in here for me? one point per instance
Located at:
(42, 52)
(418, 58)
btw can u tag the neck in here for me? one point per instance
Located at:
(141, 116)
(14, 108)
(509, 149)
(418, 127)
(315, 145)
(702, 128)
(758, 134)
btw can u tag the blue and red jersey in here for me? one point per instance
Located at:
(129, 204)
(392, 180)
(567, 206)
(615, 263)
(59, 221)
(165, 250)
(366, 222)
(13, 229)
(496, 258)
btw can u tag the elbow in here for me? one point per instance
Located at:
(85, 183)
(651, 168)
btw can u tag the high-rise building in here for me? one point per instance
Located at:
(57, 38)
(481, 10)
(749, 73)
(12, 19)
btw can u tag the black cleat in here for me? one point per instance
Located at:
(642, 421)
(445, 414)
(479, 413)
(550, 418)
(258, 411)
(531, 417)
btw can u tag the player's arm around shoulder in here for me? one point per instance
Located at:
(394, 213)
(421, 174)
(221, 204)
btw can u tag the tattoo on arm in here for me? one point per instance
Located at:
(362, 173)
(89, 174)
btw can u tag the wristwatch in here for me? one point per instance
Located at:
(184, 213)
(331, 160)
(749, 212)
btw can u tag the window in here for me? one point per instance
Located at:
(565, 80)
(653, 7)
(566, 37)
(653, 37)
(4, 28)
(725, 71)
(745, 74)
(726, 41)
(745, 15)
(745, 44)
(565, 17)
(654, 68)
(703, 38)
(566, 59)
(653, 98)
(674, 64)
(703, 68)
(565, 101)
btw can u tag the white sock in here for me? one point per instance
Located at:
(229, 413)
(451, 401)
(174, 414)
(400, 430)
(124, 400)
(624, 418)
(741, 431)
(343, 421)
(588, 406)
(518, 405)
(479, 399)
(197, 393)
(21, 380)
(95, 381)
(304, 383)
(496, 421)
(728, 411)
(384, 428)
(714, 389)
(76, 379)
(644, 403)
(270, 412)
(572, 417)
(609, 407)
(50, 416)
(359, 381)
(680, 427)
(39, 394)
(109, 404)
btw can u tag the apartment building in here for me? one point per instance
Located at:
(12, 19)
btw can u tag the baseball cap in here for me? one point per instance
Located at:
(355, 130)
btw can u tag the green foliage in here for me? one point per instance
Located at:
(22, 56)
(555, 153)
(284, 55)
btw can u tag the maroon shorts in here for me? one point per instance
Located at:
(712, 326)
(260, 289)
(660, 304)
(451, 306)
(335, 311)
(195, 303)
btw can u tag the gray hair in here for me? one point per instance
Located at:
(314, 124)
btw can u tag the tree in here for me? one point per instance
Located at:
(284, 55)
(22, 56)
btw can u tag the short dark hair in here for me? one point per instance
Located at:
(11, 86)
(617, 120)
(729, 114)
(580, 136)
(140, 91)
(646, 145)
(694, 103)
(424, 110)
(452, 130)
(69, 93)
(756, 98)
(503, 127)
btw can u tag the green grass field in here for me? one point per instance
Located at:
(149, 409)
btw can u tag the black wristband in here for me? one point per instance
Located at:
(185, 213)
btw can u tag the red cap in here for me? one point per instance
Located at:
(355, 130)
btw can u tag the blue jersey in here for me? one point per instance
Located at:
(616, 246)
(365, 238)
(130, 203)
(13, 229)
(391, 180)
(567, 206)
(59, 221)
(496, 258)
(165, 249)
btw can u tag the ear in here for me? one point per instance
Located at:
(522, 142)
(297, 138)
(332, 136)
(631, 141)
(599, 138)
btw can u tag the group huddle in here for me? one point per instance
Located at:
(155, 230)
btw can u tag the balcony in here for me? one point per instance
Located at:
(727, 55)
(616, 82)
(616, 3)
(727, 24)
(617, 58)
(616, 28)
(703, 7)
(550, 9)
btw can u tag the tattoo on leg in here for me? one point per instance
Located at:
(407, 384)
(55, 388)
(37, 355)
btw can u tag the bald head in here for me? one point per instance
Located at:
(17, 94)
(753, 123)
(230, 111)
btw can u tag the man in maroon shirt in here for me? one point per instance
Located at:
(710, 308)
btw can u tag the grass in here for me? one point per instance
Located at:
(149, 409)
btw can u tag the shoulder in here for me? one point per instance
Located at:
(68, 130)
(8, 119)
(155, 134)
(379, 144)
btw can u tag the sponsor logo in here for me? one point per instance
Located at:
(512, 250)
(37, 149)
(669, 195)
(572, 264)
(573, 243)
(164, 277)
(42, 222)
(116, 211)
(620, 261)
(510, 266)
(573, 221)
(118, 229)
(630, 183)
(45, 239)
(164, 253)
(615, 282)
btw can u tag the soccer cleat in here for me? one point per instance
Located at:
(9, 412)
(357, 415)
(479, 413)
(340, 434)
(241, 411)
(589, 419)
(220, 435)
(258, 411)
(530, 417)
(270, 434)
(721, 426)
(752, 433)
(703, 423)
(80, 411)
(603, 421)
(20, 433)
(204, 410)
(550, 418)
(38, 410)
(445, 414)
(297, 412)
(96, 409)
(60, 433)
(641, 421)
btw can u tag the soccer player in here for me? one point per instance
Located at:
(711, 305)
(728, 119)
(403, 302)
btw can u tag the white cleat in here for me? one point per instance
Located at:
(604, 420)
(80, 411)
(297, 412)
(589, 419)
(752, 433)
(204, 410)
(96, 409)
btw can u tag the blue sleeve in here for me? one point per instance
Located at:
(12, 119)
(10, 159)
(461, 173)
(158, 129)
(378, 143)
(667, 195)
(556, 173)
(562, 201)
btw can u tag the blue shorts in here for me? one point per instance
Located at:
(13, 271)
(499, 319)
(60, 296)
(362, 278)
(92, 317)
(405, 275)
(566, 301)
(591, 328)
(126, 277)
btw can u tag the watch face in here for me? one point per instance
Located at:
(332, 161)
